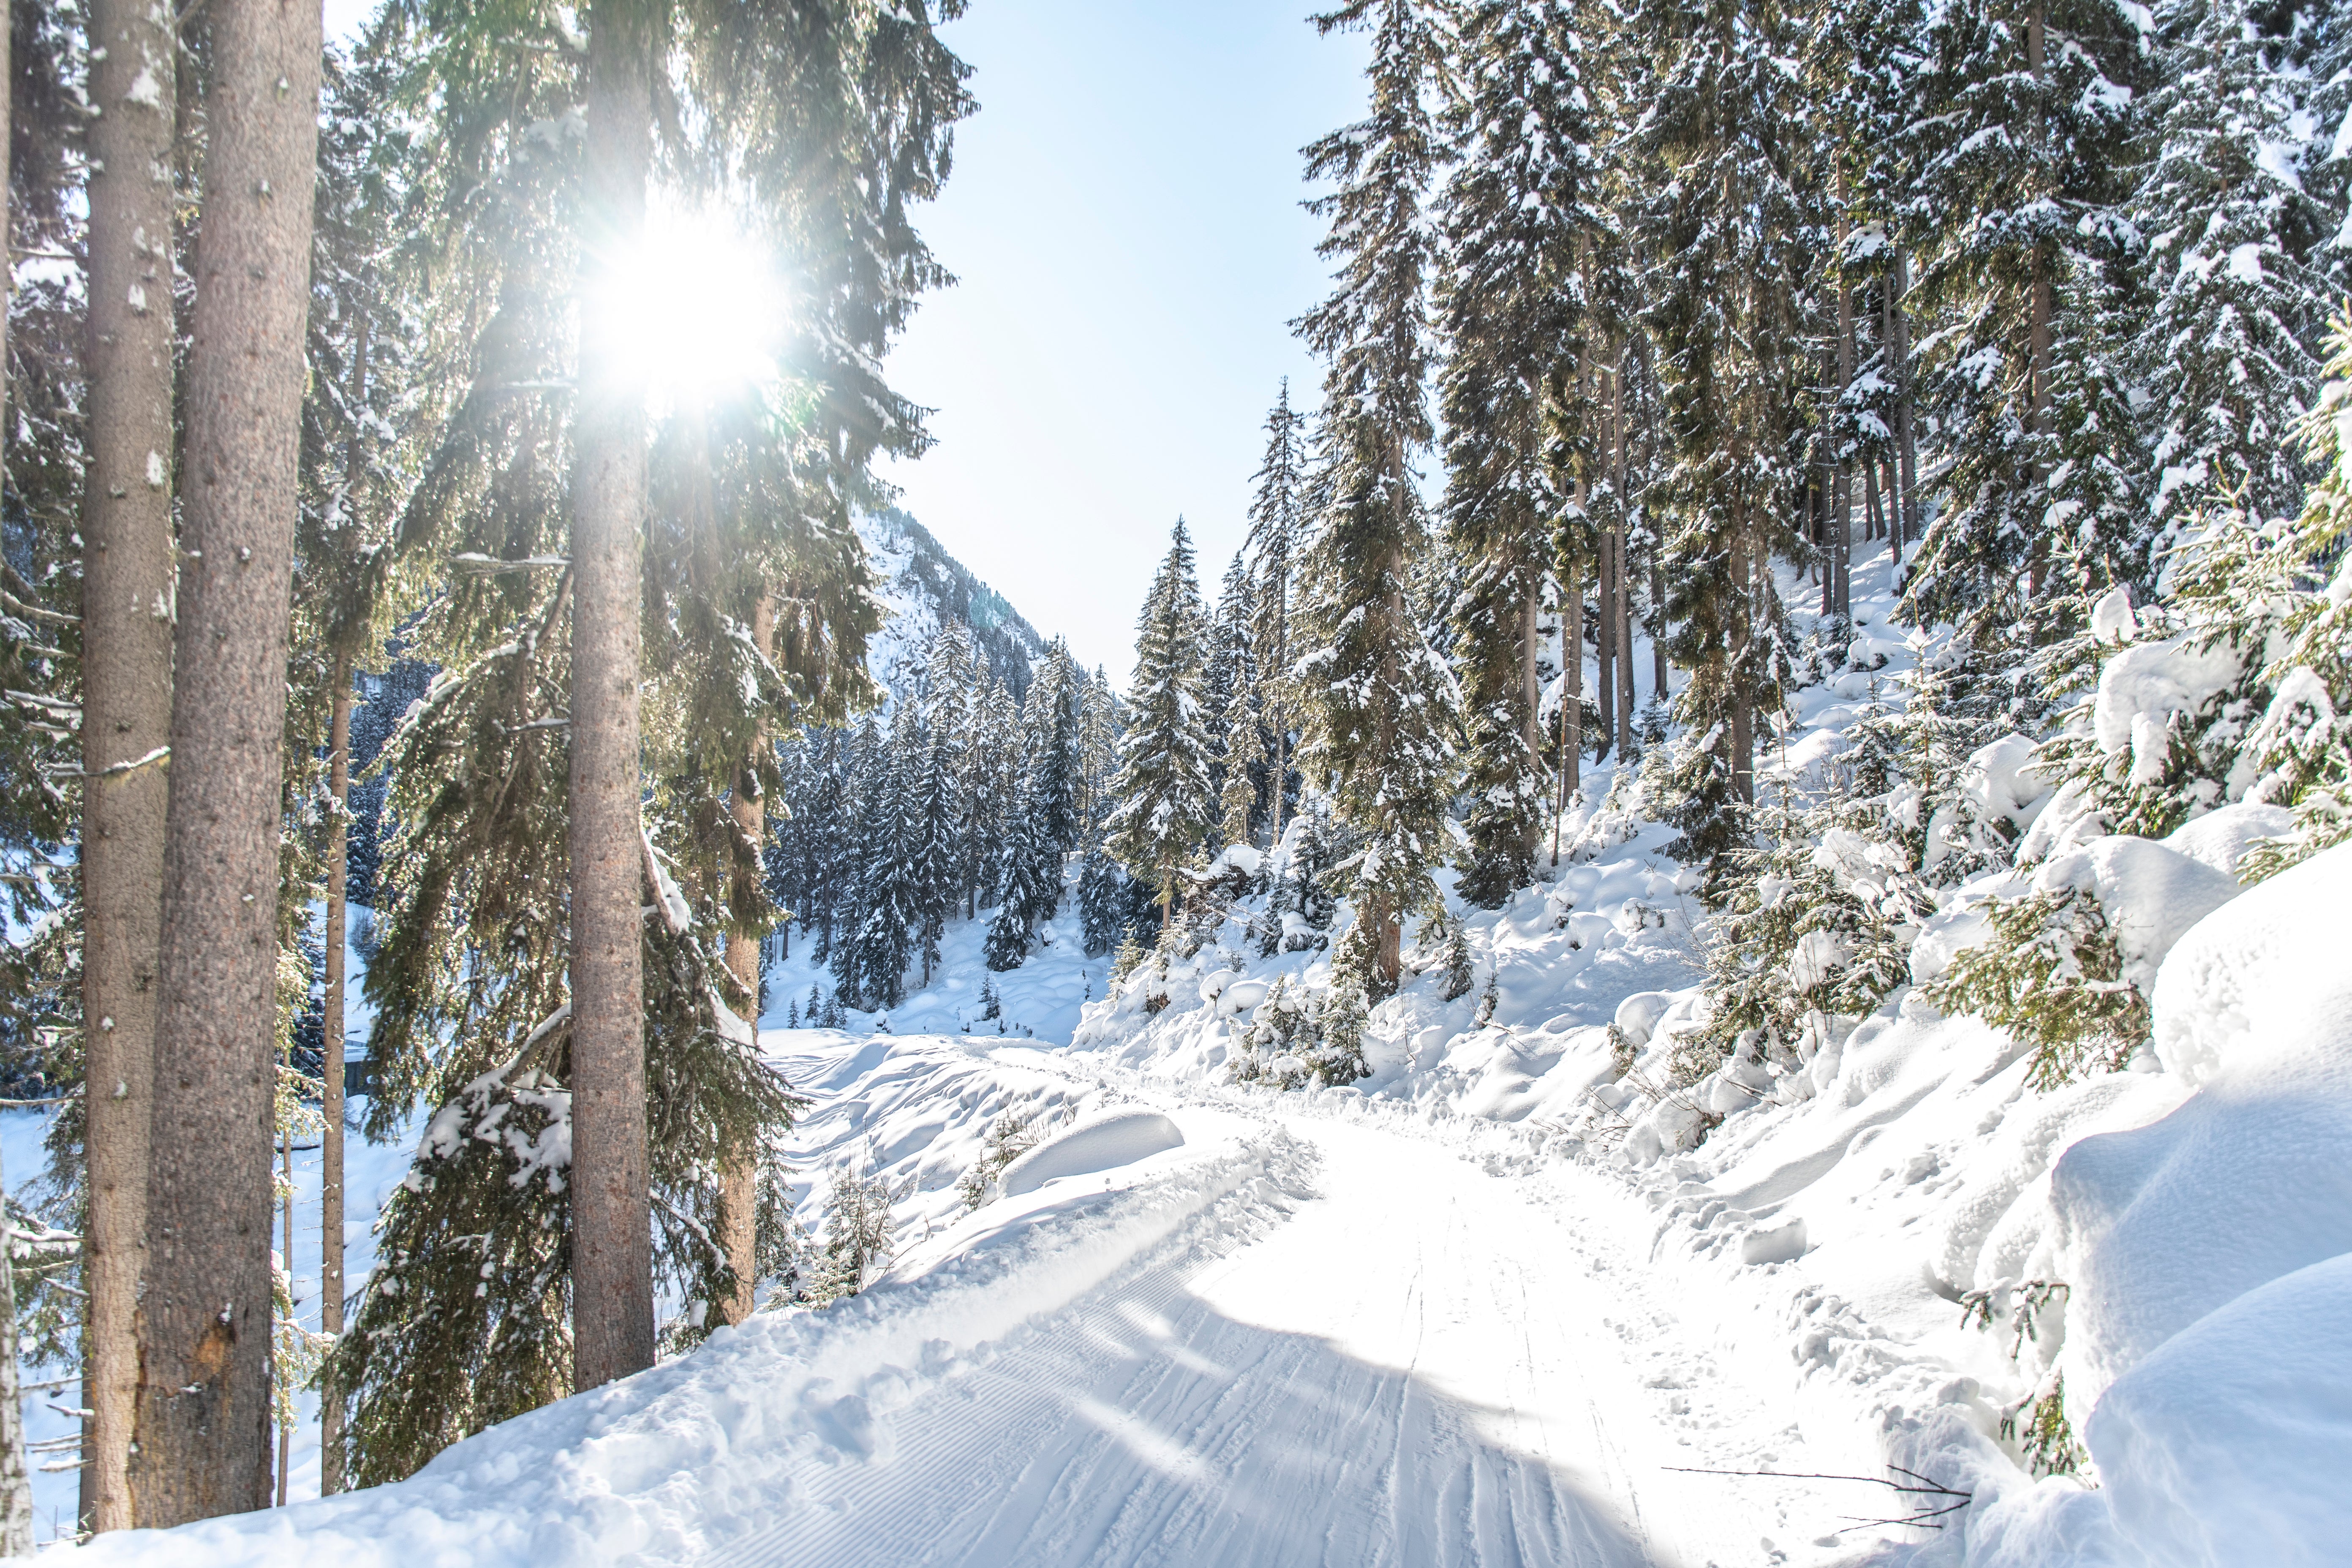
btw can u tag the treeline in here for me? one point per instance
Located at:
(966, 800)
(308, 343)
(1715, 297)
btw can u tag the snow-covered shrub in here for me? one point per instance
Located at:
(1297, 1040)
(2053, 976)
(857, 1243)
(1818, 920)
(1008, 1140)
(2230, 687)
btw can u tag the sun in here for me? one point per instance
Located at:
(696, 312)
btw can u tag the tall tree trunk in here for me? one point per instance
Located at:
(1842, 522)
(2038, 327)
(1530, 690)
(16, 1475)
(1906, 512)
(1624, 563)
(330, 1070)
(129, 577)
(1571, 700)
(1604, 641)
(15, 1472)
(739, 1184)
(203, 1419)
(611, 1226)
(1658, 630)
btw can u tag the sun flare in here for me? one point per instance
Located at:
(696, 312)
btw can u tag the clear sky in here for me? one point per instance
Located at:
(1124, 219)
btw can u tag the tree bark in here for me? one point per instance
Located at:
(330, 1070)
(202, 1418)
(2038, 325)
(128, 584)
(612, 1246)
(1907, 514)
(738, 1183)
(16, 1475)
(15, 1472)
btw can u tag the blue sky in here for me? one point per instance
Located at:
(1124, 220)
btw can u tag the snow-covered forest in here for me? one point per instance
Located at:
(1722, 941)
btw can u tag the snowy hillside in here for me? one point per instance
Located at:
(923, 588)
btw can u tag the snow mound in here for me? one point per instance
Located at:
(1101, 1143)
(2250, 1179)
(2222, 839)
(2228, 1443)
(2151, 894)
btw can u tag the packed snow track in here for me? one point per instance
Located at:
(1412, 1368)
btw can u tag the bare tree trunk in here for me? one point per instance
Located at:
(129, 578)
(1658, 630)
(1571, 700)
(2038, 326)
(1841, 522)
(330, 1069)
(612, 1247)
(286, 1434)
(1530, 690)
(201, 1435)
(15, 1472)
(1906, 512)
(739, 1184)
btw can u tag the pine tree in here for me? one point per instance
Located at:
(1378, 702)
(2016, 132)
(199, 1436)
(1163, 789)
(1275, 518)
(1525, 222)
(1724, 132)
(938, 813)
(2229, 225)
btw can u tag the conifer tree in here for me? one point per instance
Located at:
(1166, 802)
(1275, 518)
(1725, 134)
(2229, 226)
(128, 571)
(1525, 223)
(1379, 703)
(2016, 132)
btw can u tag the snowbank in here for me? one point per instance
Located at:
(685, 1461)
(1100, 1143)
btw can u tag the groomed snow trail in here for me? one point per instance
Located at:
(1418, 1367)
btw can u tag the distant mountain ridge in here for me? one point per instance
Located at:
(924, 588)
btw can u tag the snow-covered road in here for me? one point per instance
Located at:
(1417, 1366)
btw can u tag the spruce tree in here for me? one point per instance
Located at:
(1275, 520)
(2017, 137)
(128, 571)
(2229, 227)
(1724, 132)
(1166, 803)
(1524, 223)
(1378, 703)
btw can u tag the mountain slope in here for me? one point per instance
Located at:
(924, 588)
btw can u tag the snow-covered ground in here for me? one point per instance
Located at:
(1501, 1301)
